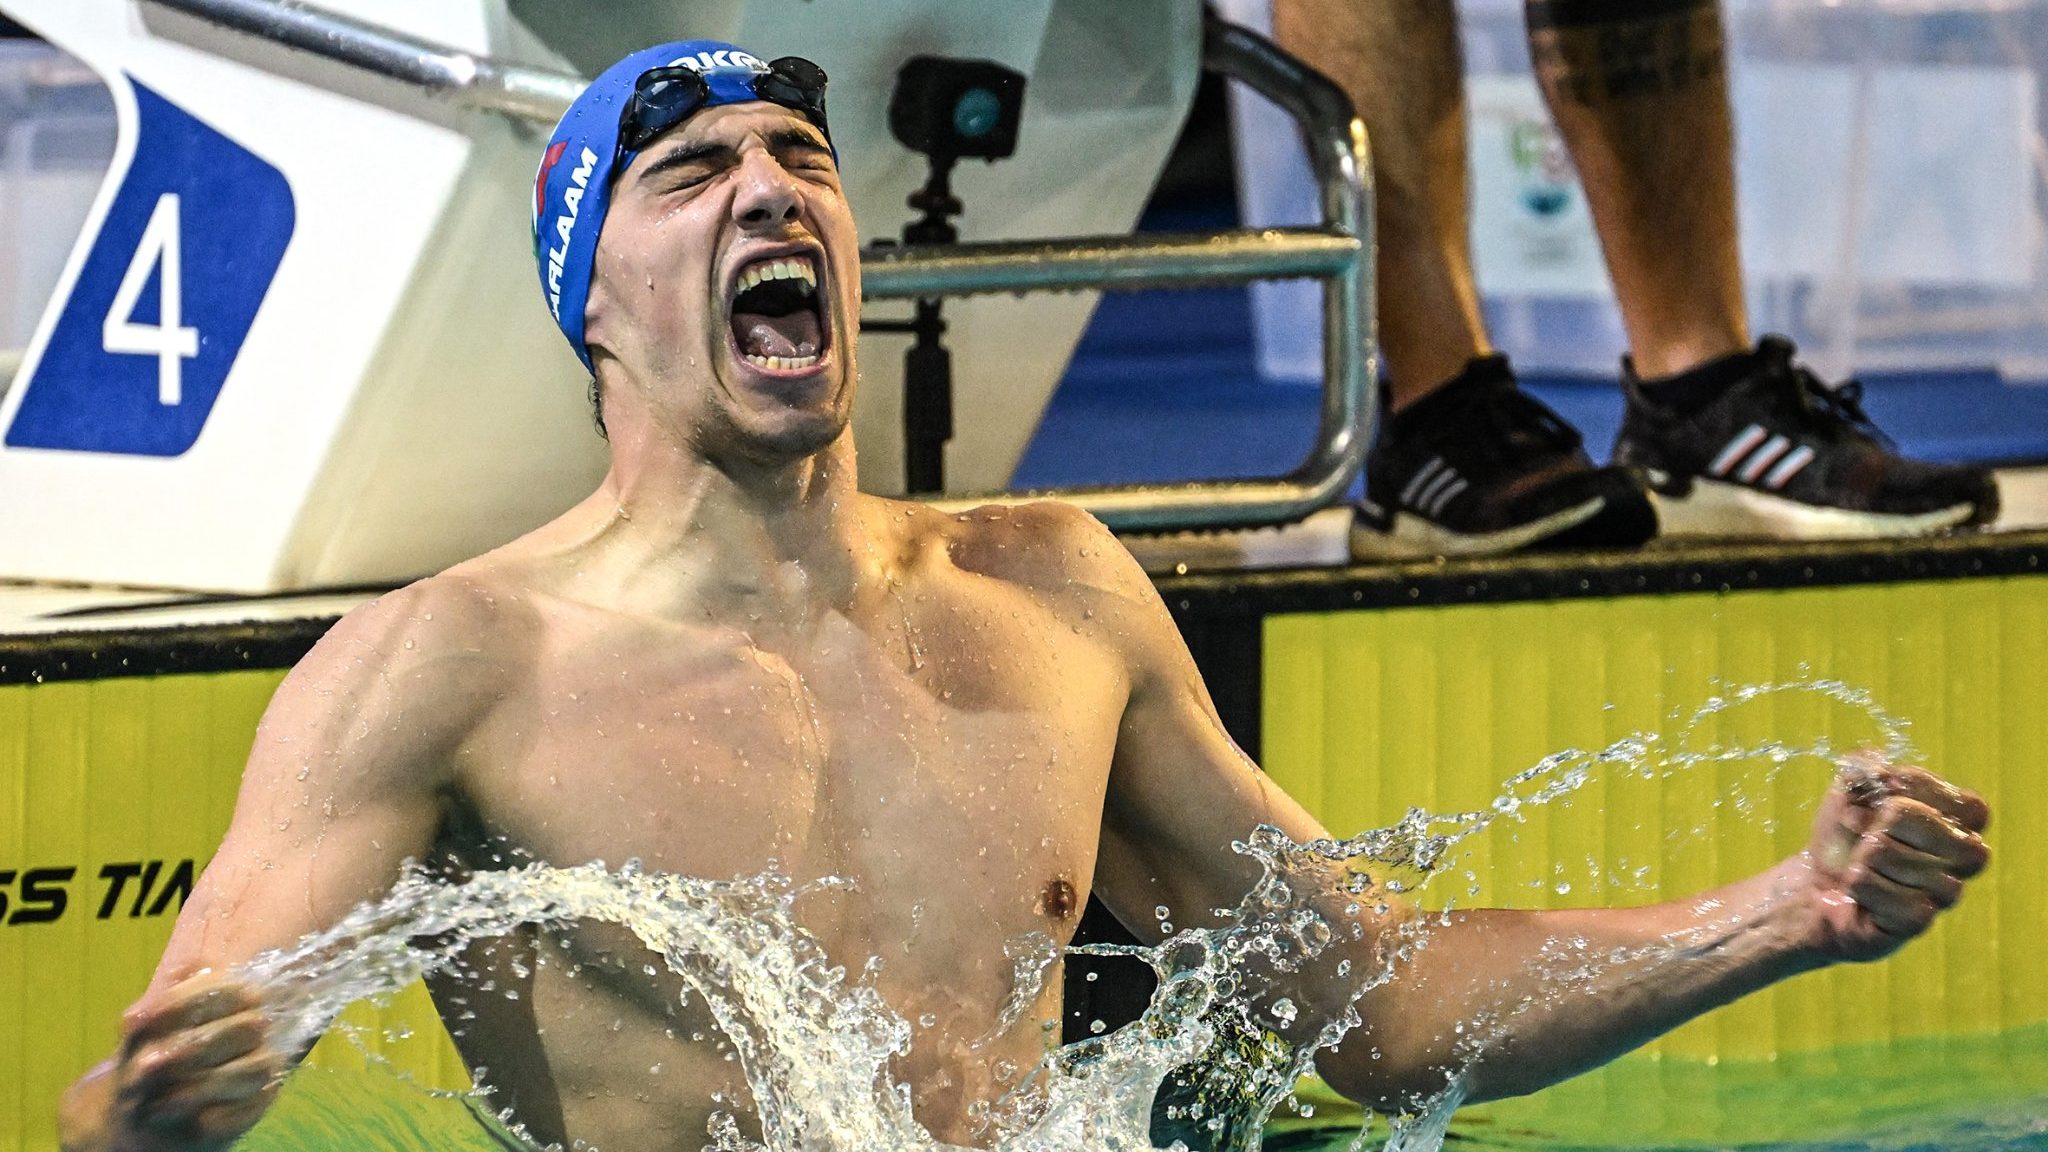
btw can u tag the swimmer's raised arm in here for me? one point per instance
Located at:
(1546, 995)
(1511, 1001)
(346, 780)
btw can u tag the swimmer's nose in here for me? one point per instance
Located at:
(768, 195)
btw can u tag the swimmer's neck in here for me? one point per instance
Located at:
(675, 533)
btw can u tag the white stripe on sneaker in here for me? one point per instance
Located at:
(1762, 459)
(1436, 507)
(1444, 479)
(1420, 478)
(1736, 449)
(1788, 468)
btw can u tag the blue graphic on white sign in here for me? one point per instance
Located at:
(165, 297)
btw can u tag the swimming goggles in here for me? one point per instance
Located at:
(665, 97)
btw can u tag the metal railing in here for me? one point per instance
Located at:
(1339, 252)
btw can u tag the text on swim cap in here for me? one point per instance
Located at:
(565, 226)
(723, 58)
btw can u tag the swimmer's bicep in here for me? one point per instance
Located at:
(341, 787)
(295, 860)
(1181, 792)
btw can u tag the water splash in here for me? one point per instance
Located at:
(1031, 957)
(815, 1044)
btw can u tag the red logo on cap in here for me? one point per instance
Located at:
(540, 181)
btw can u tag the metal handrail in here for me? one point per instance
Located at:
(463, 78)
(1124, 263)
(1340, 252)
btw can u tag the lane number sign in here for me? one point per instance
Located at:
(165, 297)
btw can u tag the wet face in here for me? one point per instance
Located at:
(727, 285)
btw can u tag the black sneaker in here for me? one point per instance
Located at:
(1480, 466)
(1779, 454)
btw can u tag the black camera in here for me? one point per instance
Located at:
(955, 109)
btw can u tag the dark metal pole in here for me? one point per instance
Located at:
(927, 403)
(928, 366)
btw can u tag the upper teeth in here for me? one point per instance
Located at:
(794, 268)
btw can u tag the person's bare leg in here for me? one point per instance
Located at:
(1639, 90)
(1400, 62)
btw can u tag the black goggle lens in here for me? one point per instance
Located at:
(795, 83)
(662, 98)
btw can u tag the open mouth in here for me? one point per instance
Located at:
(777, 318)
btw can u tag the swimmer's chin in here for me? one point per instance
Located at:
(815, 392)
(776, 434)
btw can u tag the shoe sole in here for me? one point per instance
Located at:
(1411, 537)
(1715, 508)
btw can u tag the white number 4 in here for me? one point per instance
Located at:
(168, 339)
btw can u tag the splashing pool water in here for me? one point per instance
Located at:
(816, 1042)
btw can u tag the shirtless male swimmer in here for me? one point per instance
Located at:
(728, 656)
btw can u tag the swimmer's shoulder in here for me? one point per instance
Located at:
(1051, 547)
(1076, 568)
(459, 631)
(398, 687)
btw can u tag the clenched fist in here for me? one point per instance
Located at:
(1892, 848)
(194, 1072)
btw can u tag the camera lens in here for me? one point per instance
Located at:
(977, 113)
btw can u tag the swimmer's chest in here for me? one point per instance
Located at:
(961, 757)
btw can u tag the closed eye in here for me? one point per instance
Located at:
(800, 148)
(689, 164)
(690, 177)
(796, 149)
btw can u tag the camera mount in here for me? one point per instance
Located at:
(948, 110)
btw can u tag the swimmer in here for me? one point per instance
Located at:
(728, 656)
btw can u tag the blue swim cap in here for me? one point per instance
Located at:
(573, 189)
